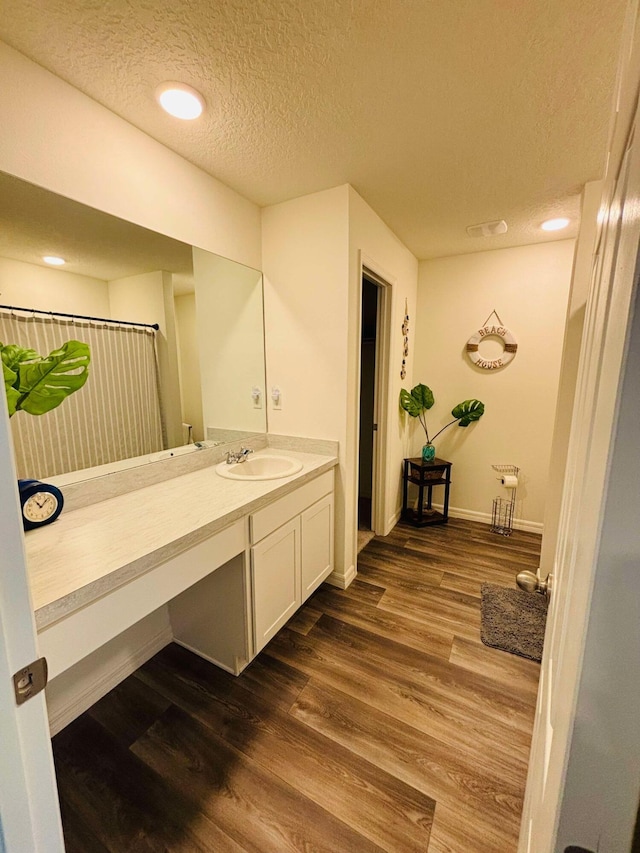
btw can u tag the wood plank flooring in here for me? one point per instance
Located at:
(374, 721)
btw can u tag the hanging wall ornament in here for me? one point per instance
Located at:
(405, 347)
(492, 331)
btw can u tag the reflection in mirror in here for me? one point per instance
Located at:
(148, 391)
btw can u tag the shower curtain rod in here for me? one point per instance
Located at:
(154, 326)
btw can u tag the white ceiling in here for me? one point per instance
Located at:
(440, 113)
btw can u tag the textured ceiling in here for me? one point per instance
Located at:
(440, 113)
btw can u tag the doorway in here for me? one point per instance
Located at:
(374, 299)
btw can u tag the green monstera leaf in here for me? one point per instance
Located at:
(468, 411)
(420, 399)
(12, 355)
(39, 384)
(416, 402)
(13, 395)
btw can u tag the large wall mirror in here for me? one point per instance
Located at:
(199, 377)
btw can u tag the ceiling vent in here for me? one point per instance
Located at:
(487, 229)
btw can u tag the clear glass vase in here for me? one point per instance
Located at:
(428, 452)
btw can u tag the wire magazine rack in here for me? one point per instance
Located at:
(504, 508)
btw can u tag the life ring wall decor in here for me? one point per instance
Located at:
(496, 331)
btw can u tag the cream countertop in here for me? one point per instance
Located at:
(88, 552)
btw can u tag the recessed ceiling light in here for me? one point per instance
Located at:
(180, 100)
(53, 260)
(555, 224)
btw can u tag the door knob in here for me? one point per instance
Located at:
(530, 582)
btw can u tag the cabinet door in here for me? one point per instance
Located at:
(317, 544)
(275, 568)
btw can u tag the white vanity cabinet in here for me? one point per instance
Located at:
(275, 576)
(291, 554)
(112, 592)
(317, 544)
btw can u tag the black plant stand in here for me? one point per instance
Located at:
(425, 475)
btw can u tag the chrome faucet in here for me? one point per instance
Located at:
(238, 455)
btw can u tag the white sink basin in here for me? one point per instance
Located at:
(260, 468)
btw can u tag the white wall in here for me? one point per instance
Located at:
(188, 363)
(58, 138)
(371, 242)
(33, 286)
(313, 248)
(305, 265)
(528, 286)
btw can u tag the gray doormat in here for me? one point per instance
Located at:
(513, 620)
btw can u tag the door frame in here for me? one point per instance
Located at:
(578, 559)
(29, 810)
(384, 284)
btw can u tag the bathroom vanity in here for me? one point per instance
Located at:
(231, 559)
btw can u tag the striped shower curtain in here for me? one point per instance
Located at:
(115, 415)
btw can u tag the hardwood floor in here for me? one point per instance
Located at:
(374, 721)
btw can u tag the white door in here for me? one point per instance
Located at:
(29, 814)
(585, 489)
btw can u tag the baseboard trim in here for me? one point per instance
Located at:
(340, 580)
(391, 523)
(82, 701)
(485, 518)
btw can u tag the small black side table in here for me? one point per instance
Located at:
(426, 475)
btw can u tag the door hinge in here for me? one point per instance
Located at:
(375, 427)
(30, 680)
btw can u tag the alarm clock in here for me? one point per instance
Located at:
(41, 503)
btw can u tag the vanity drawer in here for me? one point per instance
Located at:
(266, 520)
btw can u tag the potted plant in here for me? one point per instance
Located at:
(420, 399)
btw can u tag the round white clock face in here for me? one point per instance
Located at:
(40, 507)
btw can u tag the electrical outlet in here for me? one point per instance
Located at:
(276, 398)
(256, 396)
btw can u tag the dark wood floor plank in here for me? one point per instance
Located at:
(387, 811)
(78, 838)
(122, 803)
(381, 552)
(390, 691)
(384, 624)
(374, 703)
(464, 530)
(493, 802)
(470, 581)
(362, 590)
(304, 620)
(276, 682)
(445, 605)
(446, 685)
(514, 673)
(388, 568)
(128, 710)
(256, 808)
(439, 616)
(469, 554)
